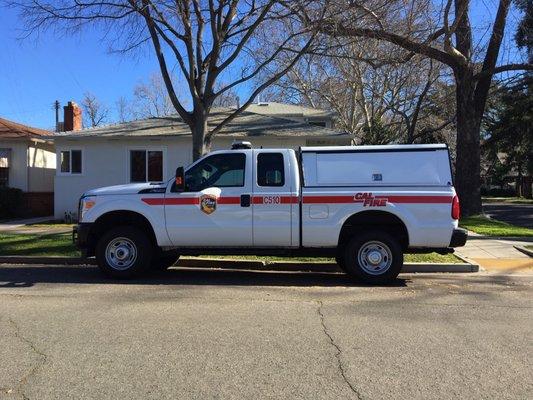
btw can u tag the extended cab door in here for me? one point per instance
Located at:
(275, 199)
(215, 208)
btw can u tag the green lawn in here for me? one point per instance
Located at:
(430, 257)
(55, 244)
(512, 200)
(490, 227)
(60, 244)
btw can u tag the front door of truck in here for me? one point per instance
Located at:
(215, 208)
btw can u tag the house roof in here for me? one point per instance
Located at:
(246, 124)
(288, 110)
(13, 130)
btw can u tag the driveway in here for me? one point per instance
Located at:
(516, 214)
(69, 333)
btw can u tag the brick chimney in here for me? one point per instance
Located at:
(72, 117)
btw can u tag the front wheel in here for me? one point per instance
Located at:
(374, 257)
(165, 260)
(124, 252)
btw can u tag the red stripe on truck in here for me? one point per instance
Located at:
(229, 200)
(275, 199)
(330, 199)
(269, 200)
(417, 199)
(390, 199)
(171, 201)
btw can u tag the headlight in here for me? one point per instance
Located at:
(86, 203)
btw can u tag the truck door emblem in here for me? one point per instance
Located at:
(208, 203)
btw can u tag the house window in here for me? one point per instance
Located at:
(70, 161)
(270, 169)
(4, 167)
(146, 165)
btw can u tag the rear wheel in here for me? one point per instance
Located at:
(124, 252)
(374, 257)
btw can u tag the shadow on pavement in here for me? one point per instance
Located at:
(27, 276)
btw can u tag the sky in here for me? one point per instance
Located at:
(35, 72)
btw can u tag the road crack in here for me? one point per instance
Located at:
(338, 352)
(42, 359)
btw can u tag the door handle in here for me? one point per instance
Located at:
(245, 200)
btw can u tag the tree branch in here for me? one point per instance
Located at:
(336, 30)
(163, 65)
(259, 89)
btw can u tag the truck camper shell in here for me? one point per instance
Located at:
(369, 166)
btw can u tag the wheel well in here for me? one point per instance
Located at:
(116, 218)
(374, 220)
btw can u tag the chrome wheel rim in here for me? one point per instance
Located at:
(121, 253)
(374, 257)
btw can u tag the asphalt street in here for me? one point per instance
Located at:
(516, 214)
(68, 333)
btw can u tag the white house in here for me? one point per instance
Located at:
(28, 163)
(152, 149)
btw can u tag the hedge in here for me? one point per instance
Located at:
(11, 202)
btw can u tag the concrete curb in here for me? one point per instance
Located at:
(467, 260)
(282, 266)
(528, 239)
(46, 260)
(524, 250)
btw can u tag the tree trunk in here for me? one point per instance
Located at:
(468, 161)
(527, 187)
(200, 145)
(201, 142)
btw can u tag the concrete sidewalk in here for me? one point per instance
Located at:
(25, 226)
(497, 254)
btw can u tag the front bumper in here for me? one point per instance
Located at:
(80, 235)
(459, 237)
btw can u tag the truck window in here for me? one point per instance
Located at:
(270, 169)
(218, 170)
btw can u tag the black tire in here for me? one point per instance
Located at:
(164, 261)
(129, 242)
(340, 262)
(379, 245)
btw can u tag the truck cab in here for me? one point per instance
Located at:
(363, 205)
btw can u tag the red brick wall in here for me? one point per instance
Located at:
(38, 204)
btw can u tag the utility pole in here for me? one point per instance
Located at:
(56, 106)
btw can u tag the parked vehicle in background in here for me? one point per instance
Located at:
(364, 205)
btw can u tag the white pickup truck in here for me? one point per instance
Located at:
(363, 205)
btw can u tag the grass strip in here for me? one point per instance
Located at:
(490, 227)
(60, 244)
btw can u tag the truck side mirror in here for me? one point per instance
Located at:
(180, 179)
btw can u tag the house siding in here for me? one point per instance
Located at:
(41, 168)
(18, 174)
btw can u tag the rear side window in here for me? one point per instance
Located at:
(270, 169)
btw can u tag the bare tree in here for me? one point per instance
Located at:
(123, 109)
(227, 99)
(449, 41)
(366, 81)
(151, 98)
(94, 112)
(205, 39)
